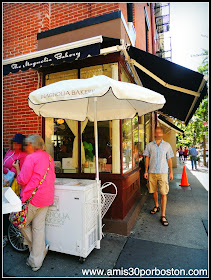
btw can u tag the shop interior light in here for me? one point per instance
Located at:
(60, 121)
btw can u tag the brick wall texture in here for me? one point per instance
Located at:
(21, 23)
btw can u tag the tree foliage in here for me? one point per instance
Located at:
(195, 130)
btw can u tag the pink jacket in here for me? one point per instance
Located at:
(10, 158)
(32, 172)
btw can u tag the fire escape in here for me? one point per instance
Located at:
(163, 39)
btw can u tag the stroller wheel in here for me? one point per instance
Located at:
(16, 238)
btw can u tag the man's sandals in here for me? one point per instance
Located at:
(155, 210)
(162, 219)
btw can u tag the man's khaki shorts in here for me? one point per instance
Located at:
(158, 179)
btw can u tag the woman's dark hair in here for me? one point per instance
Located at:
(22, 145)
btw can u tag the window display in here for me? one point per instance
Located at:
(60, 144)
(135, 142)
(127, 144)
(104, 150)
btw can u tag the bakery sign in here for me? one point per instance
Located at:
(53, 59)
(46, 59)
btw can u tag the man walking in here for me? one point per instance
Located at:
(193, 154)
(158, 154)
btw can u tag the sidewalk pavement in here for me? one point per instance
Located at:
(201, 173)
(181, 245)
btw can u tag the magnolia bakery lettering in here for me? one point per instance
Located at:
(64, 93)
(54, 217)
(56, 56)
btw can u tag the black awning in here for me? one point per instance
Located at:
(178, 84)
(162, 118)
(53, 59)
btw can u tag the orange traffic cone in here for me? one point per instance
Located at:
(184, 180)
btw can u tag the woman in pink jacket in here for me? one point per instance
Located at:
(33, 170)
(16, 152)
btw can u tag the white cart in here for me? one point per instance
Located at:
(72, 225)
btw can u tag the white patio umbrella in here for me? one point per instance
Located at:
(98, 98)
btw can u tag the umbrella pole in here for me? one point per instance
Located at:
(97, 176)
(96, 138)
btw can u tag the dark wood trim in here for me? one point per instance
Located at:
(43, 128)
(156, 119)
(123, 63)
(130, 172)
(91, 61)
(103, 176)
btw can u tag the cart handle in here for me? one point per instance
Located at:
(105, 185)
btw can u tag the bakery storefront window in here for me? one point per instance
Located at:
(127, 144)
(135, 141)
(104, 147)
(61, 137)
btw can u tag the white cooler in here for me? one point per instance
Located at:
(72, 220)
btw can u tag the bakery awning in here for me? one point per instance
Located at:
(59, 54)
(169, 124)
(182, 88)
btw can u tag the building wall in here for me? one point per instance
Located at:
(170, 137)
(21, 23)
(139, 23)
(17, 116)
